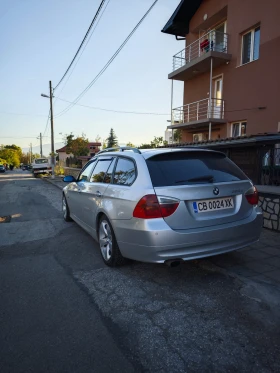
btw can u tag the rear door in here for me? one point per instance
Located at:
(209, 186)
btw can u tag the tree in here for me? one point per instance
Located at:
(97, 139)
(104, 145)
(11, 156)
(77, 146)
(130, 144)
(15, 148)
(112, 140)
(36, 156)
(145, 146)
(157, 141)
(177, 135)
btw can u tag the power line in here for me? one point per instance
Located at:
(84, 39)
(112, 110)
(109, 62)
(46, 127)
(79, 57)
(18, 137)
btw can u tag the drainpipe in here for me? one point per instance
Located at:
(210, 96)
(171, 101)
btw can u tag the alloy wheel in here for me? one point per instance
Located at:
(105, 240)
(64, 207)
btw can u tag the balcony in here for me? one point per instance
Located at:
(195, 58)
(198, 114)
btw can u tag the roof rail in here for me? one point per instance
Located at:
(119, 148)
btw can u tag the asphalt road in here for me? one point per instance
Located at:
(63, 310)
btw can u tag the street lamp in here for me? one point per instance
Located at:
(52, 135)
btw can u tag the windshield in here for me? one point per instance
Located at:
(41, 160)
(193, 167)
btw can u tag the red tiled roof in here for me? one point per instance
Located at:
(63, 149)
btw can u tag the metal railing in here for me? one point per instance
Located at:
(271, 167)
(212, 41)
(199, 110)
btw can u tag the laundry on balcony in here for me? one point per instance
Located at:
(204, 45)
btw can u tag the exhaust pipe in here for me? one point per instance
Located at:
(173, 262)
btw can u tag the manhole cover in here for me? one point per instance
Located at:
(5, 219)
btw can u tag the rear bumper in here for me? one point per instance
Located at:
(42, 171)
(154, 241)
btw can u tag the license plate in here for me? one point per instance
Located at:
(213, 205)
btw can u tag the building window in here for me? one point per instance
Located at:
(238, 129)
(92, 147)
(251, 45)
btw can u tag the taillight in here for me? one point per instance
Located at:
(152, 207)
(252, 196)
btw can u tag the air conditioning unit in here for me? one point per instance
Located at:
(199, 137)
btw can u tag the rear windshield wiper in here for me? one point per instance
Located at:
(208, 178)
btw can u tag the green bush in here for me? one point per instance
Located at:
(58, 170)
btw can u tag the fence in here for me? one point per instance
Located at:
(73, 162)
(270, 174)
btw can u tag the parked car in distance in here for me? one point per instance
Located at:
(41, 166)
(2, 168)
(163, 205)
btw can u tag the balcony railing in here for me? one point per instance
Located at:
(212, 41)
(199, 111)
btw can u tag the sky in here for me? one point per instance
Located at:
(38, 40)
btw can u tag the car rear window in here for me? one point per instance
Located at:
(40, 161)
(192, 167)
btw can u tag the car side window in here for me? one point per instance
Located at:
(100, 170)
(125, 172)
(109, 173)
(86, 172)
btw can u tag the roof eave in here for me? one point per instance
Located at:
(178, 24)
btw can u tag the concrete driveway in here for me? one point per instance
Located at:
(63, 310)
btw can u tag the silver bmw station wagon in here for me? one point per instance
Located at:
(163, 205)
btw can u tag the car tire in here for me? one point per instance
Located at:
(109, 248)
(65, 210)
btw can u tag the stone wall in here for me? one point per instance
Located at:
(71, 171)
(270, 204)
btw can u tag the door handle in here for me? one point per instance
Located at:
(98, 194)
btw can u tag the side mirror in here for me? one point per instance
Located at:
(69, 179)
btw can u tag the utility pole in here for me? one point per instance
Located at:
(30, 153)
(52, 136)
(41, 150)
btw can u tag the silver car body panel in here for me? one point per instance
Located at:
(183, 235)
(154, 241)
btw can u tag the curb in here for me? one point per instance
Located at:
(53, 183)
